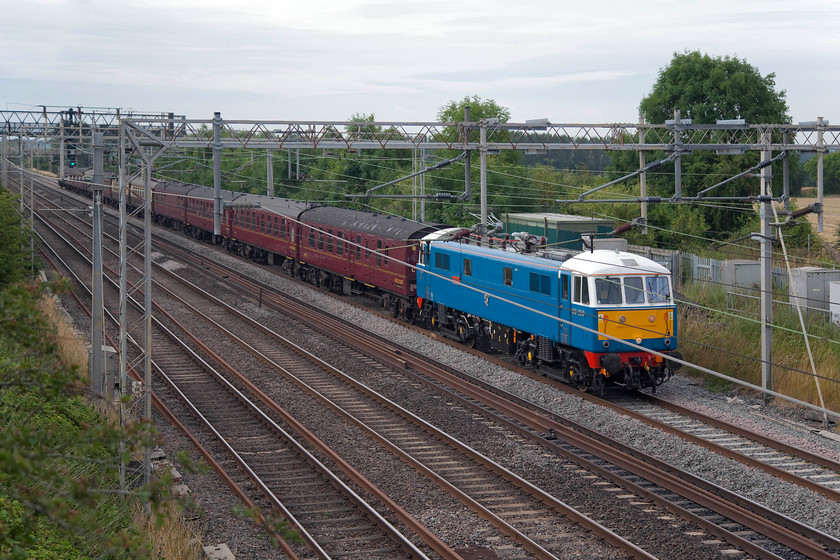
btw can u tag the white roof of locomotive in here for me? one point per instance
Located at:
(613, 263)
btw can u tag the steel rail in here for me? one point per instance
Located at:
(400, 359)
(166, 412)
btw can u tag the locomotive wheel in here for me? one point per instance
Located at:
(466, 334)
(408, 314)
(577, 377)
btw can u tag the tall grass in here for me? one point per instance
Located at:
(173, 537)
(730, 343)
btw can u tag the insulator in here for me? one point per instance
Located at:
(802, 211)
(621, 229)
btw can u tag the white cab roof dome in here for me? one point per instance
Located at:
(613, 263)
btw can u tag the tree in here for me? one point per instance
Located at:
(831, 172)
(479, 109)
(706, 89)
(14, 263)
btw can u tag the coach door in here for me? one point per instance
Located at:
(565, 307)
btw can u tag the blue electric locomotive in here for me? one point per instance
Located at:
(594, 318)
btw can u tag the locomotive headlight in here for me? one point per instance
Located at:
(652, 319)
(622, 319)
(606, 344)
(639, 340)
(667, 342)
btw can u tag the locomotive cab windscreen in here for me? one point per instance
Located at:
(632, 290)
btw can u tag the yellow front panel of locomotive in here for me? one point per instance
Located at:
(632, 324)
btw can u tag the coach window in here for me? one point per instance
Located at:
(339, 243)
(329, 241)
(311, 237)
(276, 226)
(358, 247)
(507, 275)
(320, 240)
(378, 252)
(467, 267)
(262, 224)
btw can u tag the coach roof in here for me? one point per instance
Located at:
(380, 225)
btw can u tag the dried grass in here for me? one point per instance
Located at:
(732, 346)
(175, 539)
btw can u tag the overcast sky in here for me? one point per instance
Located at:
(572, 62)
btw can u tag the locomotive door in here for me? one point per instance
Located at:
(565, 309)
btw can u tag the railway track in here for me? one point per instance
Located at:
(514, 506)
(400, 360)
(330, 517)
(710, 507)
(812, 471)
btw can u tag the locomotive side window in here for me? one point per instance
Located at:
(467, 267)
(540, 283)
(442, 261)
(565, 287)
(633, 290)
(581, 290)
(608, 290)
(507, 275)
(658, 289)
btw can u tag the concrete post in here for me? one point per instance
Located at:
(217, 173)
(820, 156)
(97, 306)
(4, 162)
(678, 159)
(269, 171)
(643, 178)
(766, 215)
(482, 150)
